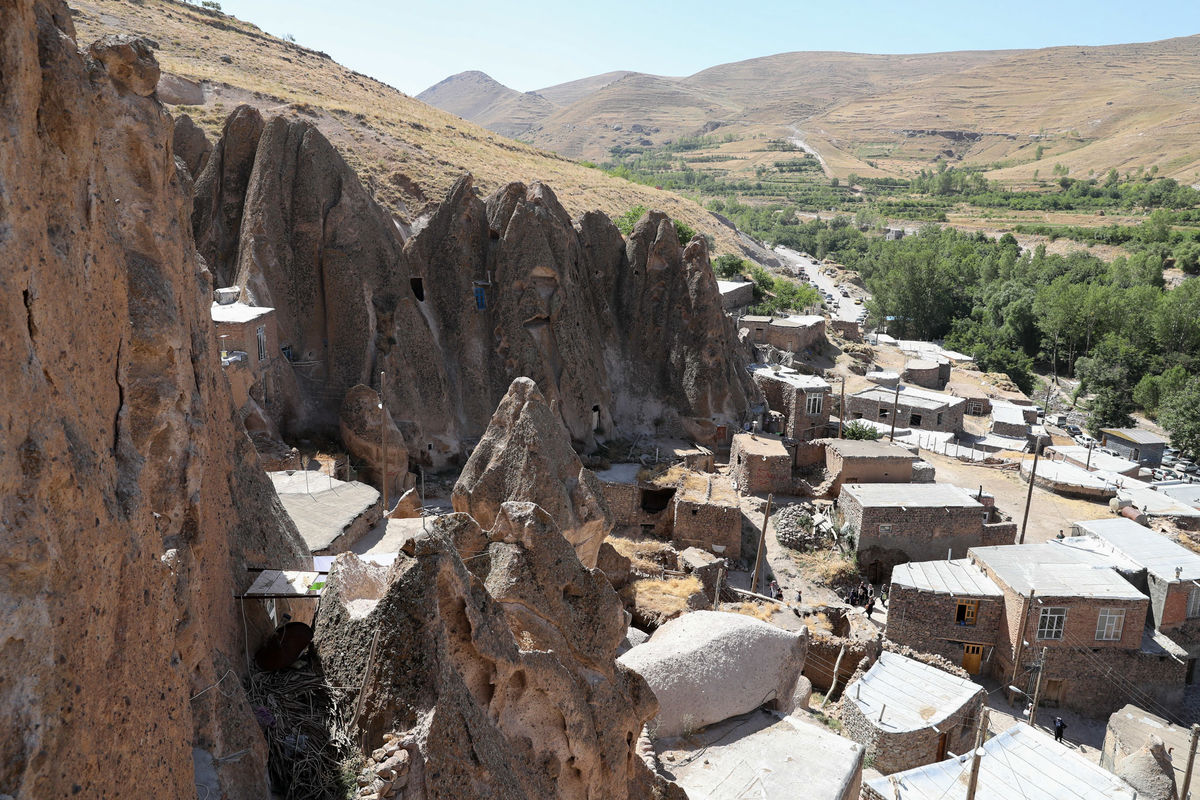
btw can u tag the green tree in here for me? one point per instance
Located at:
(626, 221)
(861, 431)
(729, 266)
(1180, 415)
(684, 231)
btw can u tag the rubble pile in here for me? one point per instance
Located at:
(795, 530)
(386, 771)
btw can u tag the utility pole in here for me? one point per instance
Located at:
(976, 755)
(1020, 645)
(1037, 690)
(895, 405)
(762, 541)
(1187, 776)
(383, 440)
(1091, 447)
(1037, 449)
(842, 409)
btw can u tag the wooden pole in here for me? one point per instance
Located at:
(383, 440)
(1020, 644)
(762, 541)
(1037, 690)
(833, 685)
(895, 405)
(717, 592)
(973, 781)
(1187, 776)
(842, 409)
(1037, 447)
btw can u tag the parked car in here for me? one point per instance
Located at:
(1085, 440)
(1073, 430)
(845, 292)
(1108, 451)
(1160, 475)
(1187, 466)
(858, 301)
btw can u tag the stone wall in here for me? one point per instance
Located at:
(823, 650)
(851, 331)
(916, 534)
(948, 419)
(708, 526)
(759, 473)
(926, 621)
(870, 469)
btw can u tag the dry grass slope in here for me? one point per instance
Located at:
(407, 153)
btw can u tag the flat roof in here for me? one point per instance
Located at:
(910, 695)
(1133, 727)
(913, 398)
(1098, 460)
(920, 363)
(725, 287)
(761, 444)
(237, 312)
(321, 506)
(1150, 549)
(956, 577)
(1020, 762)
(806, 321)
(1183, 492)
(1055, 570)
(862, 448)
(1135, 435)
(755, 318)
(1064, 473)
(789, 376)
(910, 495)
(1008, 413)
(1156, 503)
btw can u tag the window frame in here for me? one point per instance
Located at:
(813, 403)
(1105, 625)
(970, 616)
(261, 335)
(1193, 607)
(1046, 629)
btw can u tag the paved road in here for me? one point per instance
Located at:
(847, 309)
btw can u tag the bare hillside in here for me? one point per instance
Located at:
(482, 99)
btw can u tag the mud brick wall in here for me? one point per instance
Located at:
(704, 525)
(925, 621)
(893, 751)
(917, 534)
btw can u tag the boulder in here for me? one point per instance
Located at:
(176, 90)
(191, 144)
(362, 428)
(615, 566)
(633, 637)
(408, 506)
(1149, 771)
(526, 455)
(707, 666)
(129, 61)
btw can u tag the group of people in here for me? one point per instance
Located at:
(863, 595)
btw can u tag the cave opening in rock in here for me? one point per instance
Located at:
(655, 500)
(418, 288)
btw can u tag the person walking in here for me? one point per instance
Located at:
(870, 606)
(1059, 728)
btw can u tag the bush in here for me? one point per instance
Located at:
(684, 231)
(861, 431)
(727, 266)
(626, 221)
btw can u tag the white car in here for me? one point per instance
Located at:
(1085, 440)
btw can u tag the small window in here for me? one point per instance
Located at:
(966, 611)
(883, 413)
(1194, 603)
(480, 298)
(1110, 624)
(885, 528)
(1051, 622)
(939, 418)
(418, 288)
(262, 342)
(914, 420)
(813, 404)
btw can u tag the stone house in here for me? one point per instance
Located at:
(686, 507)
(916, 409)
(907, 714)
(1011, 420)
(803, 401)
(1135, 444)
(891, 523)
(735, 294)
(927, 372)
(1090, 458)
(949, 608)
(760, 463)
(792, 334)
(1021, 762)
(856, 461)
(249, 341)
(978, 401)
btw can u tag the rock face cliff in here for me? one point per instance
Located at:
(621, 336)
(129, 506)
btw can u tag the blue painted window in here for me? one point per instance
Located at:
(480, 298)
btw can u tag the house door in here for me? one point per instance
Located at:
(972, 655)
(941, 751)
(1052, 692)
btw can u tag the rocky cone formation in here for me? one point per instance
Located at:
(622, 337)
(129, 507)
(497, 681)
(363, 435)
(526, 455)
(1149, 771)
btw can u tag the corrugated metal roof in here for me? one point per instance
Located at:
(1135, 435)
(1055, 570)
(1158, 554)
(900, 694)
(1020, 762)
(958, 578)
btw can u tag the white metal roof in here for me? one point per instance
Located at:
(1136, 435)
(911, 397)
(910, 495)
(806, 321)
(1158, 554)
(1057, 570)
(1153, 503)
(237, 312)
(1008, 413)
(1098, 461)
(1021, 762)
(901, 694)
(725, 287)
(958, 577)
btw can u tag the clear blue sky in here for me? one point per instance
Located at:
(413, 44)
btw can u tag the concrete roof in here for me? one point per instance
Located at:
(1056, 570)
(724, 287)
(920, 363)
(1008, 412)
(861, 448)
(1155, 503)
(1150, 549)
(910, 695)
(1135, 435)
(1099, 461)
(761, 754)
(755, 318)
(956, 577)
(1020, 762)
(620, 473)
(789, 376)
(797, 322)
(1134, 726)
(322, 507)
(237, 312)
(1064, 473)
(762, 444)
(910, 495)
(930, 350)
(911, 397)
(1183, 492)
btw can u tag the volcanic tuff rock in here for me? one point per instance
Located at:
(1149, 771)
(621, 337)
(129, 507)
(362, 433)
(486, 708)
(526, 455)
